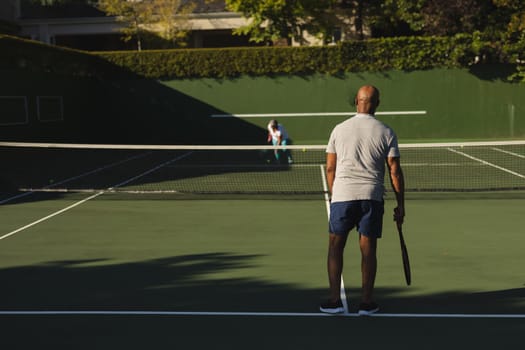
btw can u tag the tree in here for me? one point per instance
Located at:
(432, 17)
(449, 17)
(397, 18)
(172, 18)
(509, 17)
(362, 12)
(135, 14)
(272, 20)
(511, 13)
(166, 18)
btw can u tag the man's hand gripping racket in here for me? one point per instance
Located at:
(398, 218)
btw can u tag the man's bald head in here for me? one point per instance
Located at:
(367, 99)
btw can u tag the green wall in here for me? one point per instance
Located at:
(133, 110)
(460, 104)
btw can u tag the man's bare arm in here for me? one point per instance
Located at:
(398, 185)
(331, 162)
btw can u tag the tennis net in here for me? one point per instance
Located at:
(32, 167)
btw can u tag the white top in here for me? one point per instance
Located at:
(362, 145)
(280, 131)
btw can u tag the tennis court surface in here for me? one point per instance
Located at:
(132, 248)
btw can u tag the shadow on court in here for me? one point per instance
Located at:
(183, 283)
(178, 284)
(186, 283)
(508, 301)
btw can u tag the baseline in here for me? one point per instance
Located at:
(245, 314)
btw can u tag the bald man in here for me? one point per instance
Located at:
(356, 155)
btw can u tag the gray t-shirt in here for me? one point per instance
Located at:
(362, 144)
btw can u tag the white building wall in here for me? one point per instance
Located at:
(46, 29)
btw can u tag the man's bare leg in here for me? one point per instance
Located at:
(368, 266)
(336, 246)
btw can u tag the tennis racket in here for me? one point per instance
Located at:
(404, 253)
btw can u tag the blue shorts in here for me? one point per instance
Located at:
(366, 215)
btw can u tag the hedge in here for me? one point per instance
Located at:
(34, 56)
(408, 53)
(402, 53)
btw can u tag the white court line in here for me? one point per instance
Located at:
(248, 314)
(94, 171)
(233, 314)
(51, 215)
(92, 196)
(327, 114)
(327, 203)
(487, 163)
(125, 182)
(508, 152)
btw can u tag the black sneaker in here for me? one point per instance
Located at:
(366, 309)
(331, 307)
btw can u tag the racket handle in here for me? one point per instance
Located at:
(398, 219)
